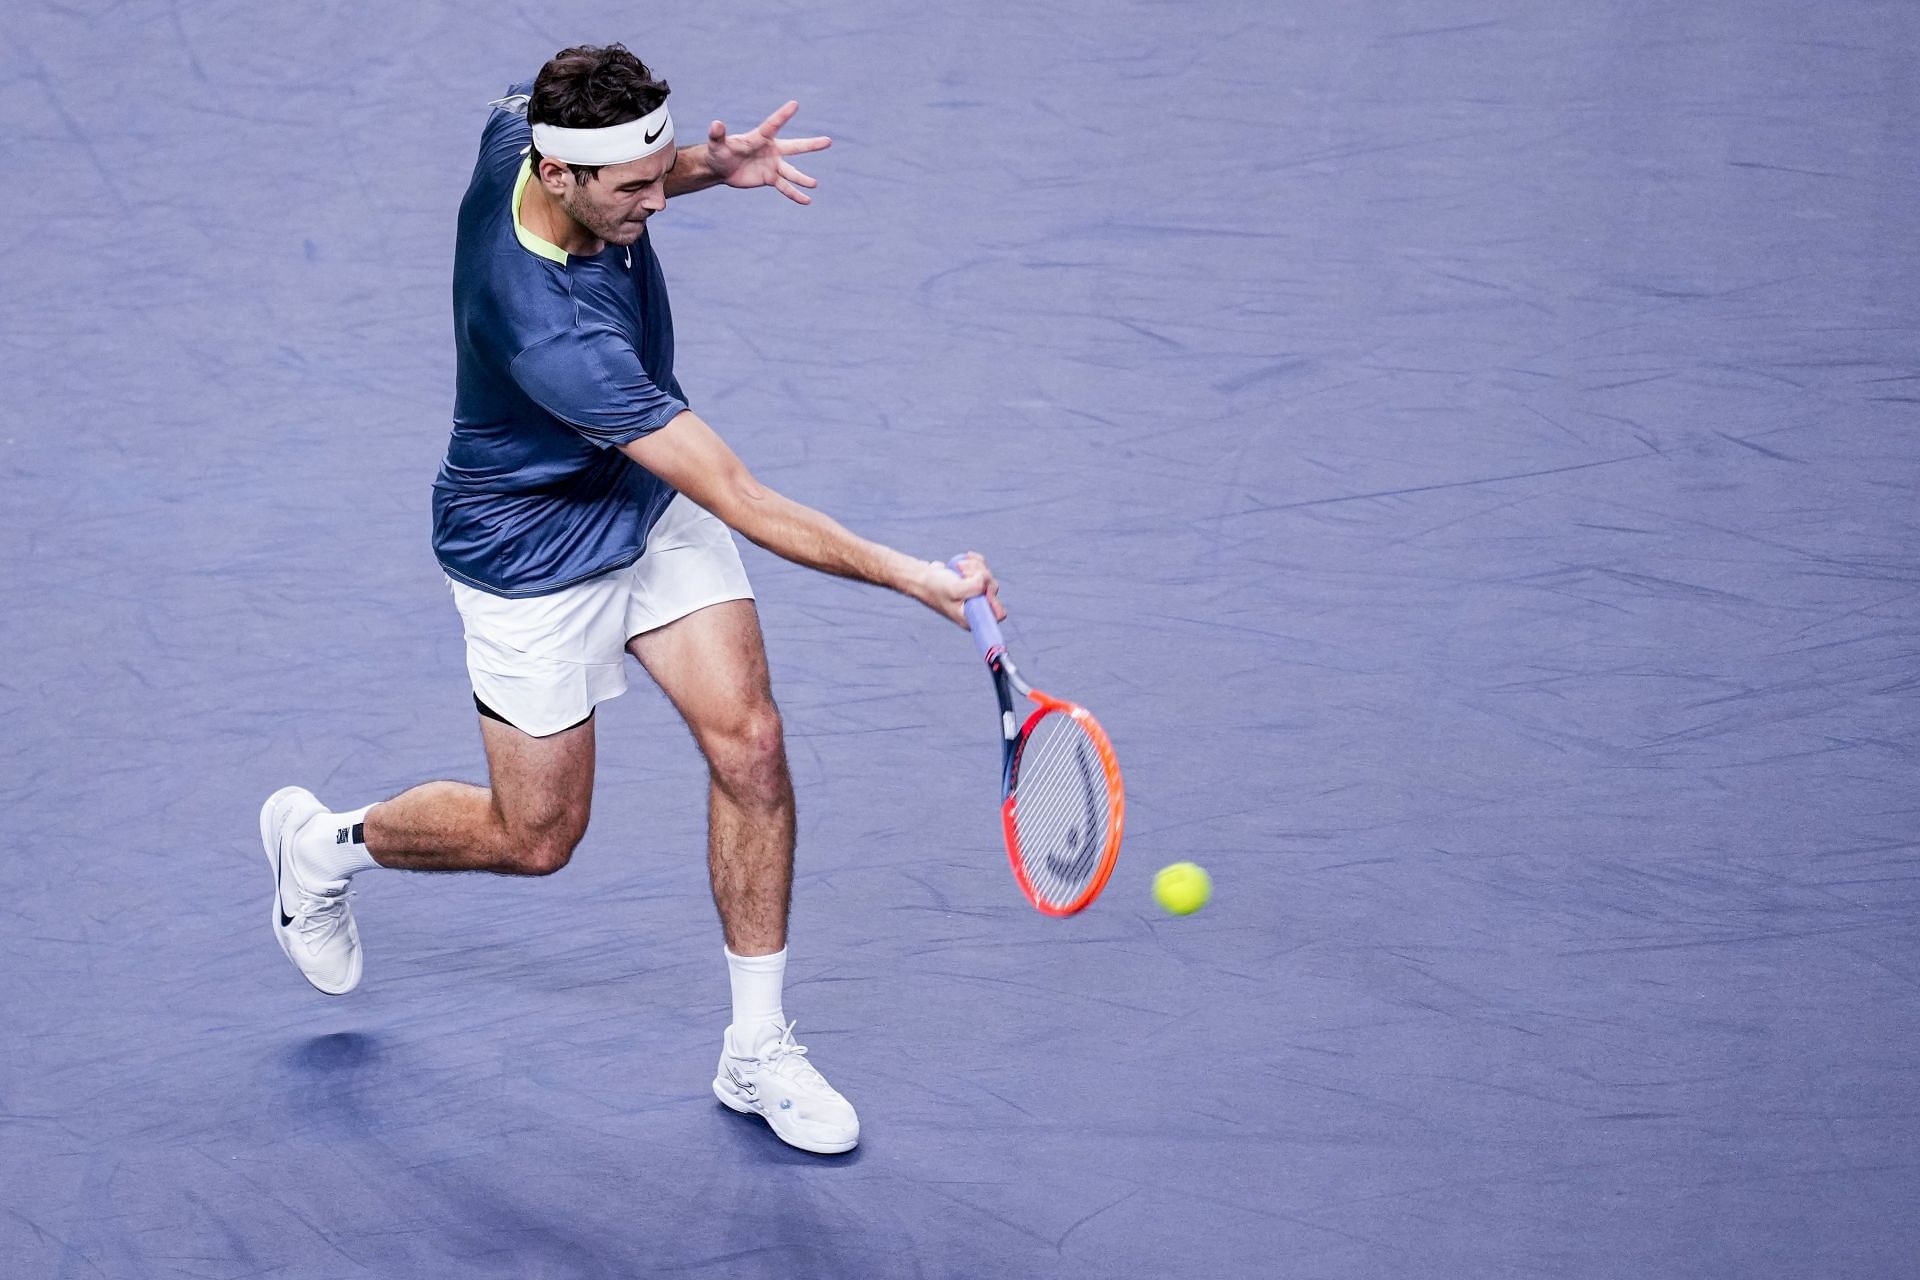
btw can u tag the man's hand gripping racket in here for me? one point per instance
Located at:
(1061, 800)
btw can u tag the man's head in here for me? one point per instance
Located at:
(592, 88)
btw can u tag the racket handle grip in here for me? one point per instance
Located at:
(986, 632)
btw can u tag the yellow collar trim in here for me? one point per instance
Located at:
(529, 241)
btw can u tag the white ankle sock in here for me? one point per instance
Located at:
(757, 982)
(332, 846)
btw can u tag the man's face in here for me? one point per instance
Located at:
(615, 203)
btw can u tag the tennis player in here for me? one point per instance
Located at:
(583, 514)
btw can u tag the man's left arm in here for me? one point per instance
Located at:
(757, 158)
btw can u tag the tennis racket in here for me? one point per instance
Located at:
(1062, 803)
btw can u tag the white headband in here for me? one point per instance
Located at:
(615, 144)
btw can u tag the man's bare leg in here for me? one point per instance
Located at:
(712, 665)
(526, 823)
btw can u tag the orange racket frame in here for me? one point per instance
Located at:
(1015, 735)
(1116, 802)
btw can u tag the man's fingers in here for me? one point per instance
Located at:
(976, 579)
(773, 123)
(966, 580)
(716, 132)
(796, 177)
(796, 146)
(990, 587)
(971, 587)
(791, 192)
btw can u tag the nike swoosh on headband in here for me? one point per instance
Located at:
(611, 144)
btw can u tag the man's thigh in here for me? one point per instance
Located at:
(540, 785)
(712, 665)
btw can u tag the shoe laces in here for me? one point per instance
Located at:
(784, 1051)
(320, 915)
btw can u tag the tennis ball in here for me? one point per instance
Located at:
(1182, 888)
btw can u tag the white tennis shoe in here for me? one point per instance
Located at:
(780, 1085)
(314, 926)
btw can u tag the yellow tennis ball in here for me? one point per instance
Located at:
(1182, 888)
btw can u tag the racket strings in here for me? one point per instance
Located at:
(1061, 812)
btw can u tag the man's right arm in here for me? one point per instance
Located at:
(689, 455)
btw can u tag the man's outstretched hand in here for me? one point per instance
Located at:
(758, 158)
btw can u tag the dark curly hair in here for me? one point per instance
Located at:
(591, 87)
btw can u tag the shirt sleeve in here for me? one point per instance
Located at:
(506, 128)
(592, 380)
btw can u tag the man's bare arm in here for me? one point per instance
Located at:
(689, 455)
(757, 158)
(690, 172)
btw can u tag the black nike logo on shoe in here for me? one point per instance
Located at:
(279, 871)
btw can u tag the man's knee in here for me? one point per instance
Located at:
(544, 855)
(544, 848)
(750, 753)
(542, 792)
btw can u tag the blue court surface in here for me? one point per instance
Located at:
(1465, 451)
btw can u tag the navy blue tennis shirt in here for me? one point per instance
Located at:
(560, 360)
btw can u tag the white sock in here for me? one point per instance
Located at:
(757, 981)
(332, 846)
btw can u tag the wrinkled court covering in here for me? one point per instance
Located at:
(1464, 452)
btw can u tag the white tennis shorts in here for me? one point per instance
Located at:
(545, 662)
